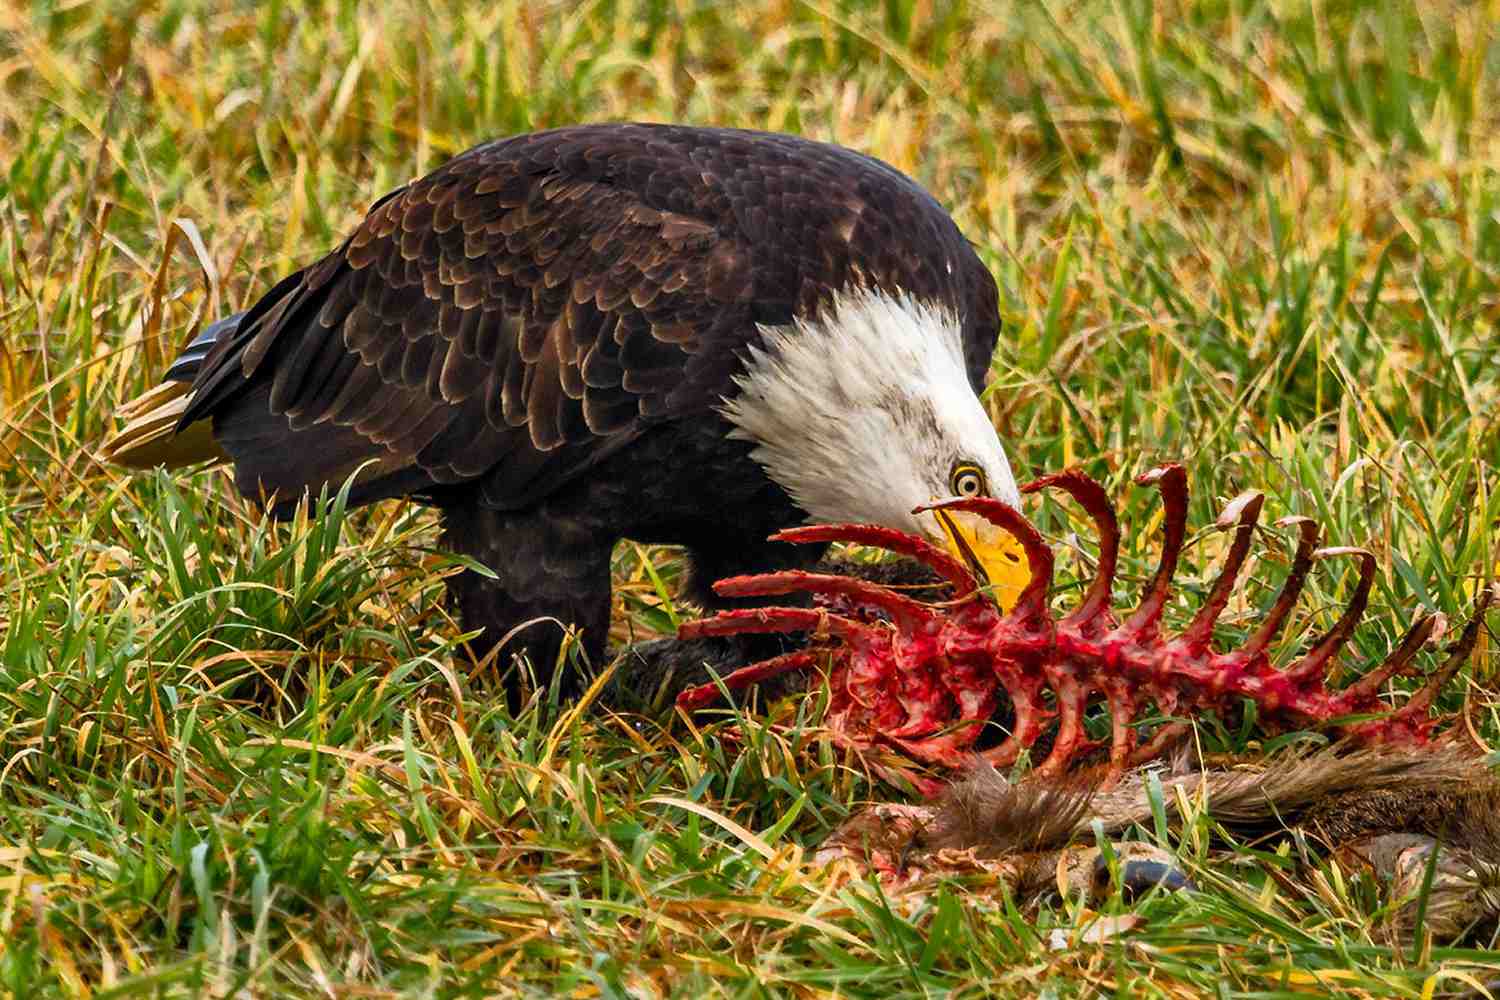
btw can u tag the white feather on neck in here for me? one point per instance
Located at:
(861, 412)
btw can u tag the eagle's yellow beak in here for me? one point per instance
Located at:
(992, 553)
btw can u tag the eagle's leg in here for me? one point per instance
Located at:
(551, 577)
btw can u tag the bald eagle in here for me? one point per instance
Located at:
(689, 336)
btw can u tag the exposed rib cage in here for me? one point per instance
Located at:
(927, 677)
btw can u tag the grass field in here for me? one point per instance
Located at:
(1255, 236)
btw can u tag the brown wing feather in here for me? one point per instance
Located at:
(534, 303)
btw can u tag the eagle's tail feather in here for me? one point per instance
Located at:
(150, 435)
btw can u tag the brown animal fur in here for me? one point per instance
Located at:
(1381, 810)
(1347, 795)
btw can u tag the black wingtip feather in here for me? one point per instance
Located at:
(186, 367)
(220, 375)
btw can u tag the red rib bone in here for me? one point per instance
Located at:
(942, 563)
(907, 613)
(930, 677)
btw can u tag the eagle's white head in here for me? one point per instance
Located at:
(864, 412)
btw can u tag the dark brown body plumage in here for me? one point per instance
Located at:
(536, 337)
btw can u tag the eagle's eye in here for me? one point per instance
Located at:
(968, 481)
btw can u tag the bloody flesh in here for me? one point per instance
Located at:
(927, 677)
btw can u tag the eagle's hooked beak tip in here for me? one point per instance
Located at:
(961, 546)
(994, 557)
